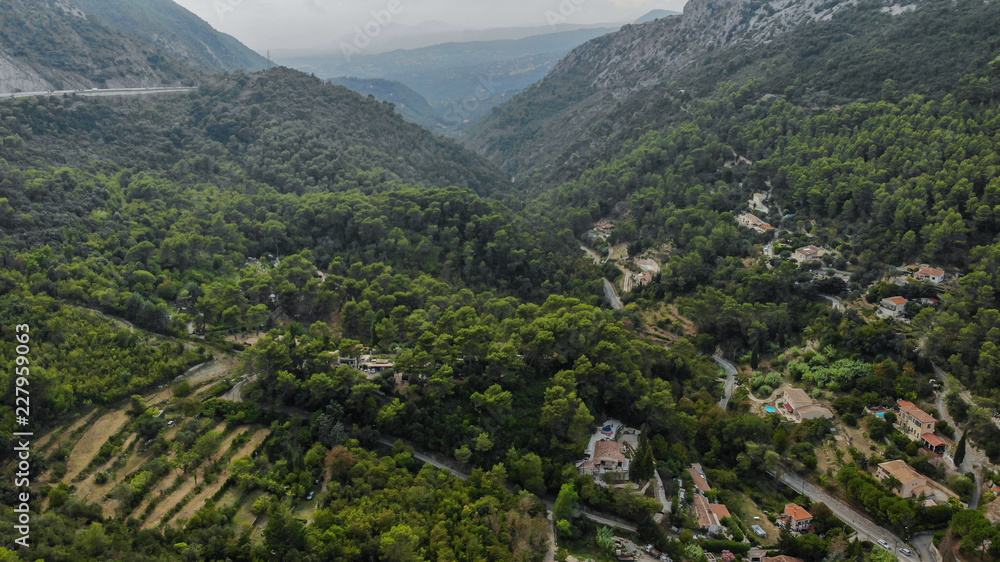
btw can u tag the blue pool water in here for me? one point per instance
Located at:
(770, 410)
(880, 414)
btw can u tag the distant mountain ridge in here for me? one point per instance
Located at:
(462, 81)
(178, 32)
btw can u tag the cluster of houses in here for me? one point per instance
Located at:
(708, 514)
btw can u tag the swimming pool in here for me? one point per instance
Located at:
(880, 414)
(770, 410)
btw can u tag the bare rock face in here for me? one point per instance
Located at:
(54, 45)
(639, 56)
(566, 116)
(15, 76)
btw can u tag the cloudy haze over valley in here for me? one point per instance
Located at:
(304, 24)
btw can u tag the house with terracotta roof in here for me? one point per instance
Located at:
(608, 457)
(809, 253)
(894, 307)
(709, 515)
(796, 518)
(912, 484)
(781, 558)
(932, 274)
(697, 473)
(801, 406)
(754, 222)
(913, 420)
(934, 443)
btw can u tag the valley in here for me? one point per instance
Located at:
(716, 286)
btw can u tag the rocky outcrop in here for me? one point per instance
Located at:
(568, 115)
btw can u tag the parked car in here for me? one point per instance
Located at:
(310, 496)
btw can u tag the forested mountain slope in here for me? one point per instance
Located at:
(281, 126)
(174, 30)
(52, 45)
(821, 53)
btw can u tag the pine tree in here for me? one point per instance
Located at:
(960, 451)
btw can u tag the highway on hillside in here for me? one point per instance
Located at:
(867, 529)
(93, 93)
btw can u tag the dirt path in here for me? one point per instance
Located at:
(91, 440)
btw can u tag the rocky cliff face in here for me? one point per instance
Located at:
(640, 55)
(170, 28)
(52, 45)
(568, 109)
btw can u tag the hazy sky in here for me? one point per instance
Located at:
(289, 24)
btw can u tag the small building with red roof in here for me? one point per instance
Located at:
(796, 518)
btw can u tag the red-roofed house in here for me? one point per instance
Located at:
(720, 511)
(608, 457)
(709, 515)
(913, 420)
(934, 443)
(698, 477)
(932, 274)
(796, 518)
(809, 253)
(894, 306)
(781, 558)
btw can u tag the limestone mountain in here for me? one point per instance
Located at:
(173, 29)
(615, 87)
(53, 44)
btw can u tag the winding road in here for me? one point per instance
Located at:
(975, 459)
(730, 380)
(612, 295)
